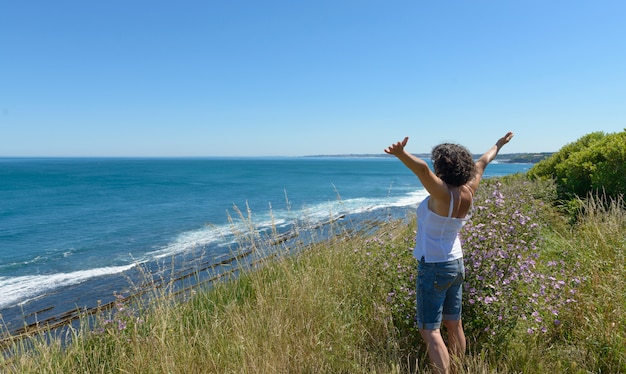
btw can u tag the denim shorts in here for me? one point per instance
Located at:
(439, 292)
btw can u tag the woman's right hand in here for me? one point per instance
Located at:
(505, 139)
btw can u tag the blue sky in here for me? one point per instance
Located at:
(293, 78)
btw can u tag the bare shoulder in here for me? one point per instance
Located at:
(439, 204)
(472, 185)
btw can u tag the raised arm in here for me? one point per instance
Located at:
(486, 158)
(433, 184)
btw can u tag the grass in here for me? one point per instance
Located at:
(552, 299)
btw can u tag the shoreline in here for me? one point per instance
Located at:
(184, 272)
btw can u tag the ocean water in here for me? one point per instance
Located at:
(71, 230)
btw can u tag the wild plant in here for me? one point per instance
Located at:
(398, 269)
(509, 283)
(122, 318)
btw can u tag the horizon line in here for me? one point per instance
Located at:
(345, 155)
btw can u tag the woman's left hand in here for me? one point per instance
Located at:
(397, 147)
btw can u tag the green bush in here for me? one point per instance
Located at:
(595, 163)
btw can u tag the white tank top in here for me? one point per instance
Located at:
(437, 238)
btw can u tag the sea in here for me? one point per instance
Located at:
(76, 232)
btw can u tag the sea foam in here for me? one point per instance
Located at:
(19, 290)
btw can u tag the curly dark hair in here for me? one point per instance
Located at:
(453, 163)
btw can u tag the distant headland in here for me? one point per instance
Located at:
(510, 158)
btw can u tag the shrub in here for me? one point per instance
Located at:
(594, 163)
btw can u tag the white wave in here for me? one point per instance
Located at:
(360, 205)
(219, 235)
(19, 290)
(192, 240)
(224, 235)
(412, 198)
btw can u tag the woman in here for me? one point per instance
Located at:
(440, 217)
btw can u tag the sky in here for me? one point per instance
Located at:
(294, 78)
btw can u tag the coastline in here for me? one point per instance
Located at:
(181, 272)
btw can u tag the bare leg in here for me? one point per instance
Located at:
(437, 350)
(456, 337)
(456, 342)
